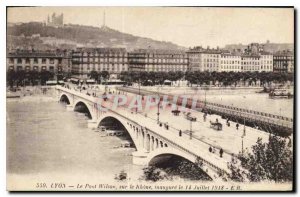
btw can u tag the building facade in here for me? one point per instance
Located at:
(230, 62)
(250, 63)
(201, 59)
(39, 61)
(157, 61)
(112, 60)
(266, 62)
(283, 62)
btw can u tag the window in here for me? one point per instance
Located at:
(43, 60)
(19, 61)
(27, 60)
(51, 61)
(11, 60)
(35, 60)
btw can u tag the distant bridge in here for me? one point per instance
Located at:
(151, 140)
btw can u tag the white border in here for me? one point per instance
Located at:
(5, 3)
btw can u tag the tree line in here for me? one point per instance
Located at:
(31, 77)
(205, 78)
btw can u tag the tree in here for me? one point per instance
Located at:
(272, 161)
(104, 74)
(94, 75)
(154, 174)
(33, 76)
(45, 76)
(11, 77)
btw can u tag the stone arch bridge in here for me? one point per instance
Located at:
(149, 141)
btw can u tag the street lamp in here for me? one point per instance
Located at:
(158, 104)
(139, 85)
(244, 134)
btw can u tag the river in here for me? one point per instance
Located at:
(45, 140)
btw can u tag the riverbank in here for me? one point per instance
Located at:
(32, 94)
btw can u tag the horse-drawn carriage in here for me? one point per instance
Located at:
(216, 126)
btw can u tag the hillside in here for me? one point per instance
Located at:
(40, 36)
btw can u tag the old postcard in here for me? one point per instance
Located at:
(150, 99)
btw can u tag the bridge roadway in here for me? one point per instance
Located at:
(151, 140)
(264, 120)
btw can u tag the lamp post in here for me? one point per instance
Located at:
(244, 134)
(158, 104)
(139, 85)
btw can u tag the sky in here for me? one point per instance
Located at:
(185, 26)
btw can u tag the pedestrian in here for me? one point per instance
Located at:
(237, 126)
(180, 133)
(210, 149)
(221, 152)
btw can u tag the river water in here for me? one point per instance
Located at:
(45, 140)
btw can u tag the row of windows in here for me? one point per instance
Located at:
(250, 63)
(229, 56)
(267, 62)
(51, 68)
(230, 67)
(210, 60)
(251, 68)
(266, 57)
(284, 57)
(210, 65)
(238, 67)
(165, 69)
(88, 67)
(99, 55)
(34, 60)
(211, 55)
(250, 58)
(230, 62)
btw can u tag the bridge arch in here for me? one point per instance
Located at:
(86, 107)
(65, 98)
(134, 132)
(165, 157)
(161, 151)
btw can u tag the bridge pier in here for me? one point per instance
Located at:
(70, 107)
(139, 158)
(92, 124)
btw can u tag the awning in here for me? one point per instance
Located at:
(90, 81)
(74, 79)
(51, 82)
